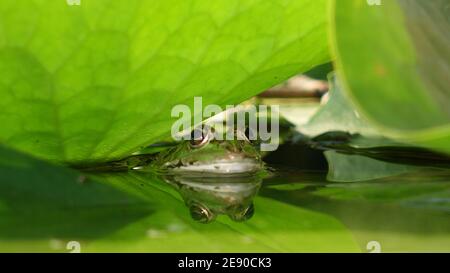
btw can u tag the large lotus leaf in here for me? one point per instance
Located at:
(394, 60)
(97, 81)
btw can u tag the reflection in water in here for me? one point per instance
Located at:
(408, 211)
(380, 149)
(208, 197)
(396, 195)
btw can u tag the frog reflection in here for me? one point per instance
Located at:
(208, 197)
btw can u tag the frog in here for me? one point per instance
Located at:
(214, 176)
(206, 154)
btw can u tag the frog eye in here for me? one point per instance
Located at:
(243, 214)
(201, 213)
(200, 137)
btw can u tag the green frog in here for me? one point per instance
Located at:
(204, 154)
(213, 176)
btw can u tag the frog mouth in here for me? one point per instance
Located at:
(222, 166)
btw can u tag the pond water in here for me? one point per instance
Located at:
(315, 196)
(305, 203)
